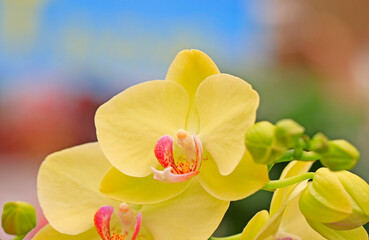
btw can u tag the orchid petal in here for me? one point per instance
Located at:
(189, 69)
(192, 215)
(246, 179)
(271, 227)
(254, 225)
(129, 125)
(138, 190)
(354, 184)
(328, 233)
(68, 187)
(48, 233)
(227, 108)
(294, 222)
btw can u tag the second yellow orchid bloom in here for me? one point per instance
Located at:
(68, 191)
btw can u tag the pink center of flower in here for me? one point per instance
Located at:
(182, 163)
(127, 219)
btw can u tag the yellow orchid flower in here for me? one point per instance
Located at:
(285, 221)
(68, 191)
(189, 127)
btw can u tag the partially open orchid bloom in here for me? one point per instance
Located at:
(285, 221)
(165, 134)
(68, 191)
(338, 200)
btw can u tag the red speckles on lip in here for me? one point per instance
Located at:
(102, 223)
(117, 237)
(164, 152)
(185, 168)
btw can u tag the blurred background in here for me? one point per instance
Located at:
(59, 60)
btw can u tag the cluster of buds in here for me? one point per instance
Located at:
(263, 144)
(286, 141)
(335, 200)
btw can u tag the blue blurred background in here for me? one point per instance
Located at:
(59, 60)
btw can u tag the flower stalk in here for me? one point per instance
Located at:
(276, 184)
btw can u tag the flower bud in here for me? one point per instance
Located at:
(262, 143)
(319, 143)
(18, 218)
(289, 132)
(341, 155)
(339, 200)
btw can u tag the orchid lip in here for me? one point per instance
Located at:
(177, 168)
(168, 177)
(127, 217)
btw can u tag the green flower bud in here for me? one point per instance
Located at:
(18, 218)
(338, 200)
(319, 143)
(341, 155)
(262, 143)
(289, 132)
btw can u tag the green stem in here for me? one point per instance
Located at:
(273, 185)
(234, 237)
(309, 156)
(305, 156)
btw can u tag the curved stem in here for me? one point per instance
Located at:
(234, 237)
(305, 156)
(309, 156)
(273, 185)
